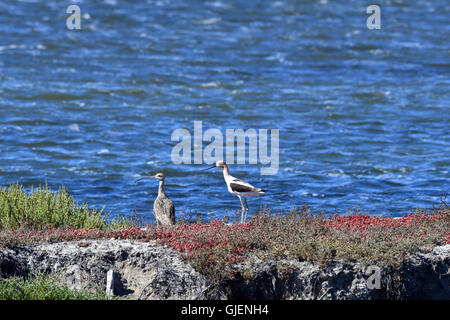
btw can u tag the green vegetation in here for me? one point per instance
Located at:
(42, 208)
(43, 287)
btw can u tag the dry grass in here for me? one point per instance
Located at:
(213, 248)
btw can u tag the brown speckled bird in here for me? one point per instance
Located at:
(163, 208)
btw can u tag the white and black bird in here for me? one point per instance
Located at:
(237, 187)
(163, 207)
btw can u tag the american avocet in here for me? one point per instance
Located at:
(163, 208)
(239, 188)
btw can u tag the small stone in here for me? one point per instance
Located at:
(110, 282)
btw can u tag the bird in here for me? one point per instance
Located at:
(163, 207)
(237, 187)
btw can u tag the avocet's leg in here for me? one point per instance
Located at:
(246, 209)
(243, 210)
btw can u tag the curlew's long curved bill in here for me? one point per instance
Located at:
(148, 177)
(209, 168)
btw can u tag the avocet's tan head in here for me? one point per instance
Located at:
(219, 164)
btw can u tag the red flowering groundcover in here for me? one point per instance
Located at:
(214, 246)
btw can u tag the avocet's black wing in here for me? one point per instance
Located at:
(241, 186)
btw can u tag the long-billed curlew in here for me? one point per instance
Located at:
(163, 208)
(239, 188)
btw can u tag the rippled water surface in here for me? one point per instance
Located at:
(363, 114)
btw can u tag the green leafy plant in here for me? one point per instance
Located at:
(41, 208)
(43, 287)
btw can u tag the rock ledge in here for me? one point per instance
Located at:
(144, 270)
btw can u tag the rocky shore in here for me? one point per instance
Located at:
(144, 270)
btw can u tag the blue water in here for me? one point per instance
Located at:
(363, 114)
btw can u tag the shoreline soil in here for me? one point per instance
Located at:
(145, 270)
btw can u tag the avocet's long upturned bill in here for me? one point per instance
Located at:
(163, 208)
(239, 188)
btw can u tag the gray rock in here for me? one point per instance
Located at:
(143, 270)
(425, 275)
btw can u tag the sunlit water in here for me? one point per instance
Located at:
(363, 114)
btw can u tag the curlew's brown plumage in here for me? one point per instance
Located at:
(163, 207)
